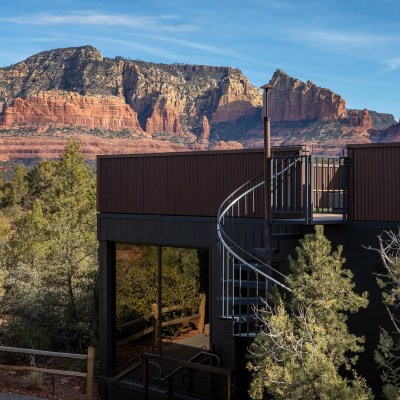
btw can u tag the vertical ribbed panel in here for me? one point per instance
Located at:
(374, 182)
(192, 183)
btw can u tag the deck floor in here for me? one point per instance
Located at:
(318, 218)
(187, 348)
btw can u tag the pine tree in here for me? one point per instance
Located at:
(5, 231)
(14, 191)
(305, 340)
(52, 263)
(387, 354)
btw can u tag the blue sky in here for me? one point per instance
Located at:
(351, 47)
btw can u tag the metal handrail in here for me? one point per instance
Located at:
(176, 370)
(289, 166)
(251, 255)
(245, 278)
(184, 364)
(119, 374)
(222, 234)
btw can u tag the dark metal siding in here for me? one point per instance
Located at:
(175, 183)
(374, 182)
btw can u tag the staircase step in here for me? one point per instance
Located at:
(245, 318)
(241, 319)
(266, 254)
(276, 237)
(247, 283)
(253, 268)
(245, 266)
(241, 300)
(246, 334)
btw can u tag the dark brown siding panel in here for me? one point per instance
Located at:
(173, 184)
(374, 182)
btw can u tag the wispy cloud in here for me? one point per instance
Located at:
(339, 38)
(194, 45)
(166, 23)
(393, 63)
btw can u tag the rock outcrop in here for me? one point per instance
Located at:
(391, 134)
(205, 129)
(164, 118)
(362, 119)
(131, 104)
(166, 98)
(354, 118)
(365, 120)
(69, 108)
(294, 100)
(238, 99)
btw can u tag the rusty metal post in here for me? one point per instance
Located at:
(267, 178)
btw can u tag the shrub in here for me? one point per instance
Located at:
(33, 381)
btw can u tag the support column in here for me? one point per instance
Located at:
(107, 328)
(159, 324)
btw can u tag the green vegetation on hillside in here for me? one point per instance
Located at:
(49, 254)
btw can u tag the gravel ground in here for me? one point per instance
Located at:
(13, 396)
(65, 388)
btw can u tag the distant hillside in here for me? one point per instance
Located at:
(120, 105)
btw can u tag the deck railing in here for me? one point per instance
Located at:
(307, 189)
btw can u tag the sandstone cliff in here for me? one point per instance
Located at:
(364, 119)
(77, 92)
(391, 134)
(379, 121)
(59, 108)
(294, 100)
(165, 98)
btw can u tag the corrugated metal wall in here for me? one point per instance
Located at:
(192, 183)
(195, 183)
(374, 182)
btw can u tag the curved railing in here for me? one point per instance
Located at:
(303, 189)
(246, 278)
(227, 209)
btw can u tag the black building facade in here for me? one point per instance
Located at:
(172, 200)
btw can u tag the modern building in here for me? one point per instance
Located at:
(215, 202)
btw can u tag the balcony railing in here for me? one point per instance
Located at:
(308, 189)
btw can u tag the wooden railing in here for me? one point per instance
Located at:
(89, 357)
(152, 318)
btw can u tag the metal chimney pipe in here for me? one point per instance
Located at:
(267, 179)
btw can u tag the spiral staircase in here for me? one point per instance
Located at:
(304, 190)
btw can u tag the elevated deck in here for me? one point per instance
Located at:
(316, 219)
(308, 189)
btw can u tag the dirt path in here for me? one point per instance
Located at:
(65, 388)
